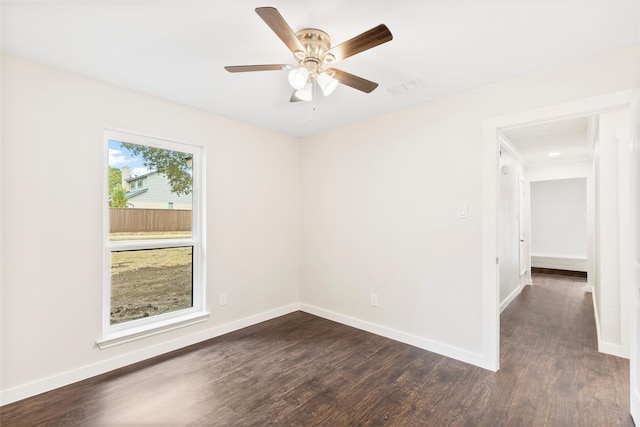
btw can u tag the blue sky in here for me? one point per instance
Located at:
(120, 156)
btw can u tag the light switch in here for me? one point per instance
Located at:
(463, 211)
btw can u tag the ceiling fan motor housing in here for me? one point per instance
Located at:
(316, 45)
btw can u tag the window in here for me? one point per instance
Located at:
(170, 205)
(154, 260)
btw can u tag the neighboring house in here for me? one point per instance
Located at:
(152, 191)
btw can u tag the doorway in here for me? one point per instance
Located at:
(491, 208)
(559, 225)
(514, 224)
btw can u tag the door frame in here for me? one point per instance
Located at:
(523, 234)
(491, 200)
(634, 350)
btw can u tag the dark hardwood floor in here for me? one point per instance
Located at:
(556, 272)
(302, 370)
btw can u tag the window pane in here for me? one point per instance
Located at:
(149, 282)
(143, 182)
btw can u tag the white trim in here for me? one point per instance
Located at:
(625, 234)
(597, 317)
(490, 225)
(509, 299)
(144, 331)
(59, 380)
(634, 291)
(559, 263)
(509, 147)
(579, 108)
(490, 248)
(612, 349)
(603, 346)
(2, 223)
(141, 138)
(524, 261)
(134, 245)
(404, 337)
(635, 404)
(144, 327)
(592, 131)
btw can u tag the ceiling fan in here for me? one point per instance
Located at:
(314, 55)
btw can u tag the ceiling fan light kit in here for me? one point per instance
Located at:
(312, 50)
(298, 77)
(327, 83)
(305, 93)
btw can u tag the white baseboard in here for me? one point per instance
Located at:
(597, 318)
(59, 380)
(423, 343)
(46, 384)
(559, 263)
(509, 299)
(613, 349)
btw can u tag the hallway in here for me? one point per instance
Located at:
(550, 361)
(300, 369)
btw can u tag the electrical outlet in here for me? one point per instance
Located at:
(374, 300)
(223, 299)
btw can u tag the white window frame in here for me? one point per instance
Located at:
(121, 333)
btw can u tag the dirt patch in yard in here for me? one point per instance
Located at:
(150, 282)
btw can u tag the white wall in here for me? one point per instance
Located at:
(53, 134)
(562, 171)
(559, 224)
(511, 281)
(380, 205)
(559, 170)
(611, 181)
(379, 214)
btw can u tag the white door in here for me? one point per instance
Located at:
(522, 223)
(635, 299)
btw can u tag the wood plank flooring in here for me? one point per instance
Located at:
(301, 370)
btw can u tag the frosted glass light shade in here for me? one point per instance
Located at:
(298, 77)
(327, 83)
(306, 93)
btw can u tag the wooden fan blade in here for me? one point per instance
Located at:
(372, 38)
(266, 67)
(278, 25)
(355, 82)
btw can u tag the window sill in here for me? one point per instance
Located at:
(133, 334)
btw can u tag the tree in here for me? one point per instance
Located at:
(171, 164)
(118, 196)
(115, 177)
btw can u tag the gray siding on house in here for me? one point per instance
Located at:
(159, 191)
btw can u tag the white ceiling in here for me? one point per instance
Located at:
(567, 138)
(176, 49)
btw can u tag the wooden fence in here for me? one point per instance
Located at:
(127, 220)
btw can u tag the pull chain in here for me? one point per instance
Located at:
(314, 90)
